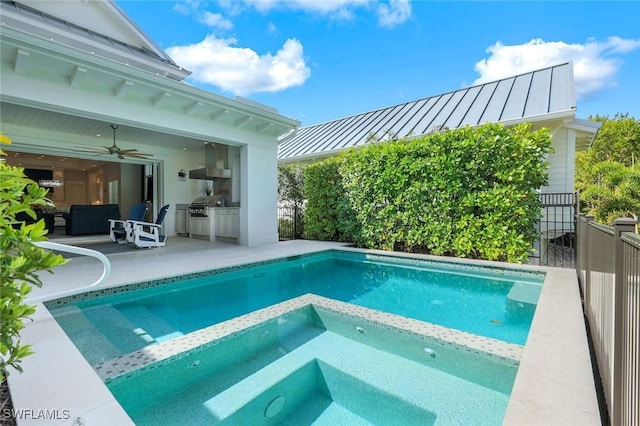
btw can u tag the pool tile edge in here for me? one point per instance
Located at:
(181, 346)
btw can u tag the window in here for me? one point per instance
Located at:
(114, 192)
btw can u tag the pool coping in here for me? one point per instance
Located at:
(554, 384)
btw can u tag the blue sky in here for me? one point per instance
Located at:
(318, 60)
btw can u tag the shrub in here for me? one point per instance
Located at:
(20, 259)
(328, 213)
(466, 192)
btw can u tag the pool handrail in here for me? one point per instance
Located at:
(106, 269)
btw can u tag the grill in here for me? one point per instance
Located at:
(200, 206)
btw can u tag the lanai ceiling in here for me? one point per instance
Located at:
(67, 124)
(51, 162)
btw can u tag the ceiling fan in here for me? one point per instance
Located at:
(116, 150)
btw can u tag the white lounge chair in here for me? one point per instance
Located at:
(120, 230)
(147, 234)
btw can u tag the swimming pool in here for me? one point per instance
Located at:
(127, 332)
(491, 302)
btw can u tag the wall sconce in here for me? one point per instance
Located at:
(182, 174)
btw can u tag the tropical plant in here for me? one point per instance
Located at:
(20, 260)
(608, 174)
(617, 140)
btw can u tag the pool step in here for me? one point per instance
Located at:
(88, 339)
(522, 299)
(146, 321)
(118, 329)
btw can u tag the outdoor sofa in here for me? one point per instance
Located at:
(90, 219)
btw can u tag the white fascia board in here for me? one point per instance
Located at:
(315, 156)
(587, 126)
(586, 130)
(136, 76)
(552, 116)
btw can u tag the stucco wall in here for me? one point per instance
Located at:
(259, 188)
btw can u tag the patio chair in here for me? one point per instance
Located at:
(146, 234)
(120, 230)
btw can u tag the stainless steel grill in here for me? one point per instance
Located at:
(200, 206)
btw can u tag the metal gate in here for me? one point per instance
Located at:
(290, 222)
(557, 226)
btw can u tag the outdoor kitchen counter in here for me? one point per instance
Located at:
(221, 223)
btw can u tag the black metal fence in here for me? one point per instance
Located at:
(557, 227)
(290, 222)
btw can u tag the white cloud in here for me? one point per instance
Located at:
(595, 64)
(233, 7)
(324, 7)
(272, 28)
(395, 13)
(390, 13)
(215, 20)
(242, 71)
(186, 7)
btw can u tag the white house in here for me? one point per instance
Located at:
(71, 69)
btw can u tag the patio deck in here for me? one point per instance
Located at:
(554, 383)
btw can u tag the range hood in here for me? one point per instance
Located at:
(216, 157)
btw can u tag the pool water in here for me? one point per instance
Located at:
(316, 366)
(496, 303)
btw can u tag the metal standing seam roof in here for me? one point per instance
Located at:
(533, 96)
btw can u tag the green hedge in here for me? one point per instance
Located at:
(328, 215)
(470, 192)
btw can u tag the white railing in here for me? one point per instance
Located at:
(106, 269)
